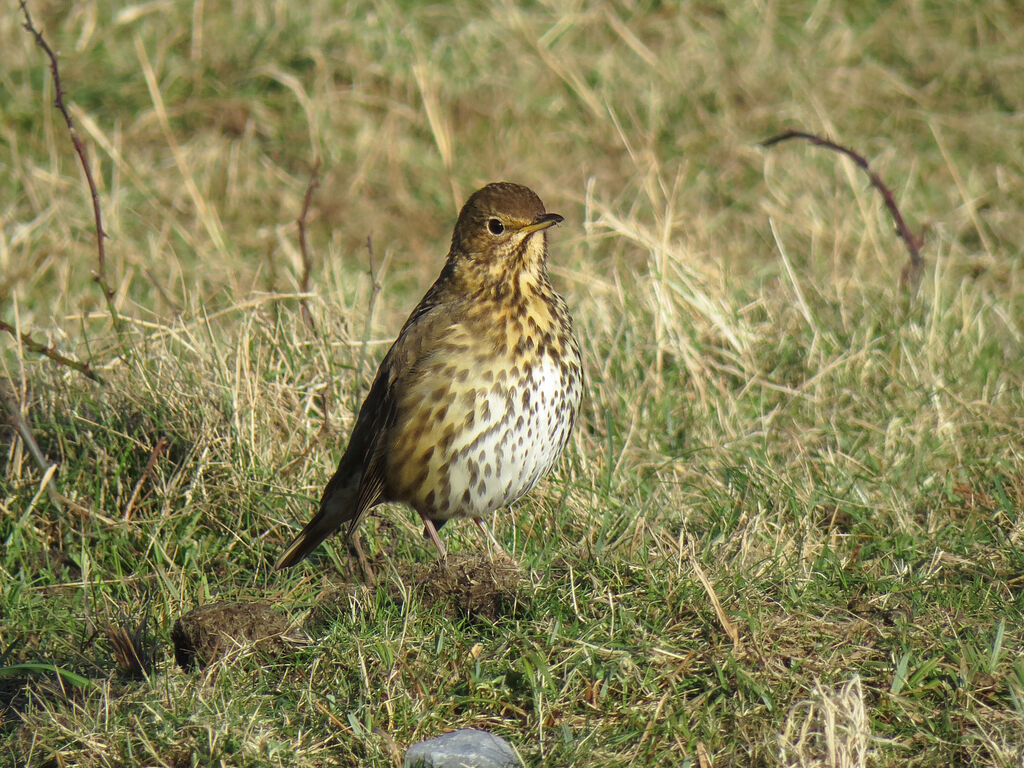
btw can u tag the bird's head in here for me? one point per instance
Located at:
(500, 232)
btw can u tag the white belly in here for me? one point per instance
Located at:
(526, 428)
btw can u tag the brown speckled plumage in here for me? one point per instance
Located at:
(477, 397)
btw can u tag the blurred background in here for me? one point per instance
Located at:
(842, 455)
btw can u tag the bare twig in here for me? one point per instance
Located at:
(175, 307)
(307, 262)
(375, 290)
(325, 405)
(20, 423)
(48, 468)
(43, 349)
(158, 449)
(911, 273)
(101, 269)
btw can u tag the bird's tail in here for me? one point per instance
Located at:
(336, 508)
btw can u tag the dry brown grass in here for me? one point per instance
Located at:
(845, 463)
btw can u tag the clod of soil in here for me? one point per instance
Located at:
(471, 585)
(211, 631)
(475, 586)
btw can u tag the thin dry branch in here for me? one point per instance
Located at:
(175, 307)
(307, 261)
(325, 405)
(21, 424)
(910, 276)
(43, 349)
(101, 268)
(158, 449)
(375, 290)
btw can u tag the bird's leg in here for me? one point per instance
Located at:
(371, 579)
(489, 534)
(431, 531)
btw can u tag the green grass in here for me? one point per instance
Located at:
(844, 463)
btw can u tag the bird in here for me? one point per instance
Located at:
(477, 396)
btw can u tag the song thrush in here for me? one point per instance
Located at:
(477, 396)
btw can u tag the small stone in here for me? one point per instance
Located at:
(466, 748)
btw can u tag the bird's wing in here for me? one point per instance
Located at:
(380, 411)
(358, 483)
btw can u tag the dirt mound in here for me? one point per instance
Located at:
(212, 631)
(471, 585)
(475, 586)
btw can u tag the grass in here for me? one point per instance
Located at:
(844, 463)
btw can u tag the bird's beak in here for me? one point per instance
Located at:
(543, 221)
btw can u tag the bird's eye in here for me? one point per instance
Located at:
(495, 227)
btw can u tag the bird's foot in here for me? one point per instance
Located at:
(430, 531)
(490, 537)
(364, 564)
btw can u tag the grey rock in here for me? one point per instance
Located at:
(467, 748)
